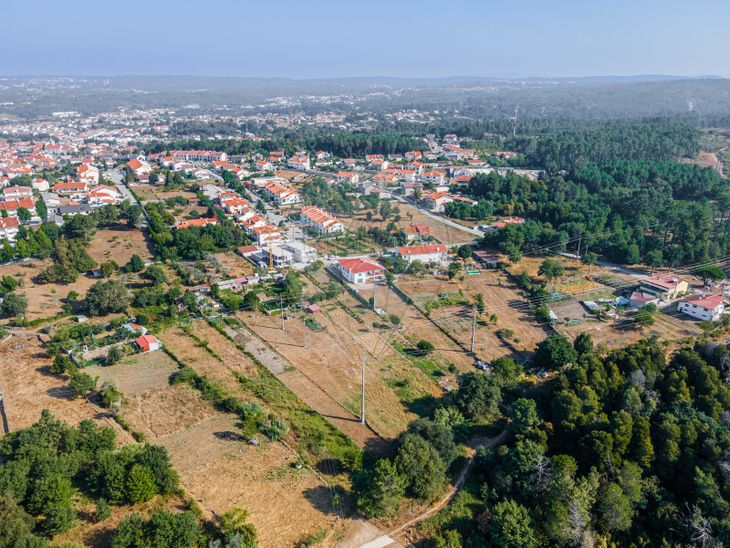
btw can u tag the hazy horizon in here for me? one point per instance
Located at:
(427, 39)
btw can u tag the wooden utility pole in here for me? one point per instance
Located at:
(362, 403)
(473, 327)
(281, 308)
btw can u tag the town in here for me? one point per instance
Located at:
(247, 303)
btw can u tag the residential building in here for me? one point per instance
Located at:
(11, 207)
(208, 156)
(76, 190)
(703, 306)
(200, 222)
(436, 201)
(265, 234)
(148, 343)
(9, 227)
(286, 254)
(299, 161)
(429, 253)
(666, 287)
(282, 195)
(320, 220)
(75, 209)
(418, 232)
(359, 270)
(17, 192)
(140, 168)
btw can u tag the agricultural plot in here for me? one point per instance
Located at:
(217, 466)
(331, 359)
(501, 299)
(29, 387)
(410, 215)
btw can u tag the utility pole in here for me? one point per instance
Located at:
(305, 334)
(281, 307)
(375, 286)
(362, 405)
(473, 327)
(579, 239)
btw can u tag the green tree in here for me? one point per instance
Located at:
(421, 465)
(614, 509)
(53, 499)
(106, 298)
(379, 491)
(82, 384)
(140, 485)
(551, 269)
(135, 264)
(61, 364)
(511, 527)
(479, 396)
(711, 273)
(16, 525)
(13, 305)
(236, 529)
(554, 352)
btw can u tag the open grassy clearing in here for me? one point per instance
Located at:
(44, 300)
(217, 466)
(332, 360)
(119, 244)
(501, 298)
(409, 215)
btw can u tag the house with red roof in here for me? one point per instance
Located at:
(665, 287)
(17, 192)
(359, 270)
(428, 253)
(702, 306)
(148, 343)
(436, 201)
(9, 227)
(200, 222)
(140, 168)
(320, 220)
(282, 194)
(418, 232)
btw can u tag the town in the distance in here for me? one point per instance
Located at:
(377, 317)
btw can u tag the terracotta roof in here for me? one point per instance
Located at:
(357, 265)
(708, 302)
(422, 249)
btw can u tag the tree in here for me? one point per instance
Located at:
(464, 251)
(454, 268)
(614, 509)
(551, 269)
(236, 529)
(107, 297)
(438, 435)
(554, 352)
(379, 491)
(115, 354)
(108, 268)
(61, 364)
(140, 485)
(15, 523)
(13, 305)
(155, 274)
(583, 344)
(80, 227)
(645, 315)
(81, 383)
(479, 396)
(711, 273)
(53, 499)
(510, 526)
(424, 470)
(425, 347)
(135, 264)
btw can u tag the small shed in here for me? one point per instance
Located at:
(313, 308)
(148, 343)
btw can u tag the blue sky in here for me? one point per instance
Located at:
(321, 38)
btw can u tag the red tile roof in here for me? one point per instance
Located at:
(357, 265)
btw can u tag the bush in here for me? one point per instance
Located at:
(425, 346)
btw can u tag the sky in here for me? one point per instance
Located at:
(327, 38)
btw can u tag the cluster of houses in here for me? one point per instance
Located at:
(664, 289)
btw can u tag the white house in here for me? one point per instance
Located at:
(702, 306)
(360, 270)
(282, 194)
(429, 253)
(17, 192)
(9, 228)
(299, 161)
(320, 220)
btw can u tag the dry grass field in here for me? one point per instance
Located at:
(217, 467)
(29, 387)
(44, 300)
(332, 361)
(410, 215)
(119, 244)
(501, 298)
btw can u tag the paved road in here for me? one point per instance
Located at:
(116, 177)
(442, 219)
